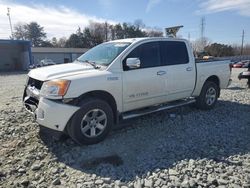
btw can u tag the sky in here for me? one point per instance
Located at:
(224, 19)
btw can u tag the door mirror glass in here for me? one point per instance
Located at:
(133, 63)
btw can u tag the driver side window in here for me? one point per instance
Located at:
(148, 53)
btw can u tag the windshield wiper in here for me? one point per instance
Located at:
(92, 63)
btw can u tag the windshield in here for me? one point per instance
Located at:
(103, 54)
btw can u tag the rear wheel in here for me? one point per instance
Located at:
(92, 122)
(208, 96)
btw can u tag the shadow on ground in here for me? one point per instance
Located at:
(236, 88)
(158, 141)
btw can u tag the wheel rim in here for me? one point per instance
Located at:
(210, 96)
(93, 123)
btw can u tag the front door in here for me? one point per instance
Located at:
(143, 86)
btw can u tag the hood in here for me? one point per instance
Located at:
(60, 71)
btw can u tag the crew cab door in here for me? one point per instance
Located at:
(180, 69)
(143, 86)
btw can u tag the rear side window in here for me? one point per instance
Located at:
(148, 54)
(173, 53)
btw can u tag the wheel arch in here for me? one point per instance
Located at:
(105, 96)
(215, 79)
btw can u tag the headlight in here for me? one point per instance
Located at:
(55, 88)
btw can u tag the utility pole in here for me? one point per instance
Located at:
(189, 37)
(242, 43)
(8, 14)
(202, 33)
(106, 31)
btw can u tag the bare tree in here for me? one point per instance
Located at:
(20, 31)
(154, 33)
(199, 44)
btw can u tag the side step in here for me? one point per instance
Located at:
(149, 110)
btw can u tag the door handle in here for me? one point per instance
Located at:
(189, 68)
(161, 73)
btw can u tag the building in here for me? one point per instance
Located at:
(57, 55)
(15, 55)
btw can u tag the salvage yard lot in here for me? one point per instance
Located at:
(206, 148)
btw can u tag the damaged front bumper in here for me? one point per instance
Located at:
(53, 114)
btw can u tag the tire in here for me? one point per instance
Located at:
(92, 122)
(208, 96)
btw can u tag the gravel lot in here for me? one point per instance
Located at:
(205, 149)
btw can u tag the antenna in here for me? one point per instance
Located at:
(8, 14)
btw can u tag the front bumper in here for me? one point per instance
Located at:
(52, 114)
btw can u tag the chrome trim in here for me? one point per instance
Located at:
(133, 63)
(160, 108)
(31, 91)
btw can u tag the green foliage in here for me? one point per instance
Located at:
(219, 50)
(92, 35)
(32, 32)
(97, 33)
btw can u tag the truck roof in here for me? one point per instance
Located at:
(133, 40)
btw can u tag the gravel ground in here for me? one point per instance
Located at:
(205, 149)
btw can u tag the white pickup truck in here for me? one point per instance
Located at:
(118, 80)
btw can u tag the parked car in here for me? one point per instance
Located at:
(119, 80)
(32, 66)
(238, 65)
(246, 64)
(207, 57)
(46, 62)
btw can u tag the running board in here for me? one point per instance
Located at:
(167, 106)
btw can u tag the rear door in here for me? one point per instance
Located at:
(180, 69)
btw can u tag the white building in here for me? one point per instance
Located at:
(57, 55)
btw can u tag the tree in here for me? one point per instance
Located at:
(19, 31)
(154, 33)
(119, 32)
(199, 44)
(73, 41)
(58, 43)
(96, 33)
(87, 40)
(32, 31)
(46, 43)
(61, 42)
(35, 33)
(219, 50)
(54, 41)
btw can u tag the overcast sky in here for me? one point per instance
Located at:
(224, 19)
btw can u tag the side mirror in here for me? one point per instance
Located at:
(133, 63)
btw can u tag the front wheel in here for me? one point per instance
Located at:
(208, 96)
(92, 122)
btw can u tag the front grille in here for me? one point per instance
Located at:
(36, 83)
(31, 94)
